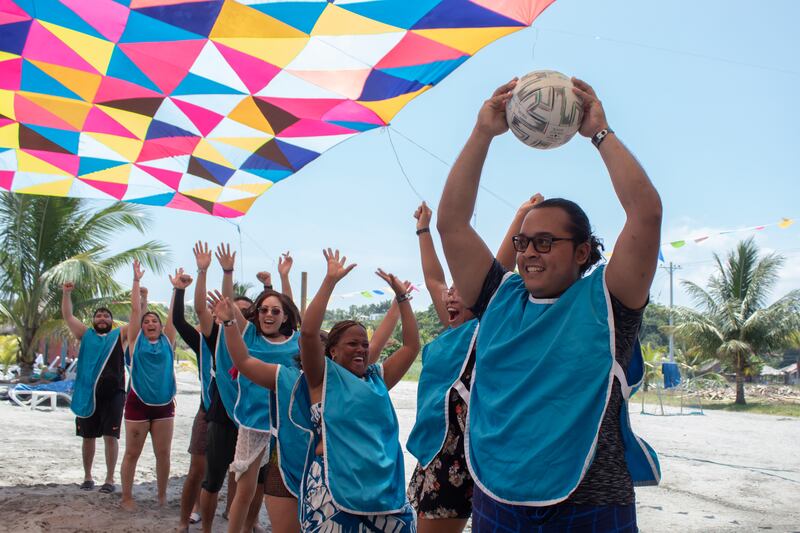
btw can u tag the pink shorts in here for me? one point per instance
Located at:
(138, 411)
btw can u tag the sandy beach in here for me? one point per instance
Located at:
(722, 472)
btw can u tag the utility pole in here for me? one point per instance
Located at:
(671, 269)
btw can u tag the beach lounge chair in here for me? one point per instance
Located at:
(32, 395)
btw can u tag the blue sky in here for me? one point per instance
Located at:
(702, 92)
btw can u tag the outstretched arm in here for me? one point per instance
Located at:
(467, 255)
(285, 262)
(396, 366)
(227, 260)
(258, 372)
(76, 327)
(312, 354)
(169, 327)
(177, 314)
(432, 269)
(506, 254)
(135, 324)
(384, 331)
(631, 269)
(202, 256)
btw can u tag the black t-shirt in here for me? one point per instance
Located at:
(112, 377)
(607, 482)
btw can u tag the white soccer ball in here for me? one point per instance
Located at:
(543, 111)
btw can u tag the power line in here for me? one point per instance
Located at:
(674, 51)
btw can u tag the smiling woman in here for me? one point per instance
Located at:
(353, 473)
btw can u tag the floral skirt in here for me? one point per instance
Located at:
(319, 513)
(444, 488)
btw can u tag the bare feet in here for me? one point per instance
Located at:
(128, 505)
(162, 501)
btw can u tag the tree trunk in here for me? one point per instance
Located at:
(740, 386)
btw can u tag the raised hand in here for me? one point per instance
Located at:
(492, 116)
(400, 288)
(527, 205)
(226, 259)
(285, 262)
(202, 255)
(181, 280)
(423, 216)
(222, 306)
(337, 268)
(143, 292)
(138, 272)
(594, 117)
(68, 286)
(265, 278)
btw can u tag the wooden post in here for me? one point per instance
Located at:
(303, 293)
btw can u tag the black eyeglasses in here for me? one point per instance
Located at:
(274, 311)
(541, 243)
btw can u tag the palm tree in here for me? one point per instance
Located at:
(733, 322)
(45, 241)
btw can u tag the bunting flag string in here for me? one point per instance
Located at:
(784, 223)
(379, 293)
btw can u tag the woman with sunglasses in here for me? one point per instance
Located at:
(353, 476)
(270, 334)
(150, 404)
(554, 350)
(441, 487)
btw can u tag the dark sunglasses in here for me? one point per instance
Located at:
(274, 311)
(541, 243)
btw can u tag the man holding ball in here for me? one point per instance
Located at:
(549, 442)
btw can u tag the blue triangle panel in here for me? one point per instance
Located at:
(298, 157)
(194, 84)
(358, 126)
(68, 140)
(36, 80)
(221, 173)
(463, 14)
(143, 29)
(123, 68)
(399, 13)
(427, 74)
(271, 174)
(196, 17)
(380, 86)
(57, 13)
(158, 199)
(93, 164)
(159, 130)
(300, 15)
(13, 36)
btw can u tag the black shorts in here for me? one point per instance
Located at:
(220, 450)
(262, 475)
(106, 419)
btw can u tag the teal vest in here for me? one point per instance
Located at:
(443, 362)
(293, 441)
(227, 387)
(252, 403)
(543, 375)
(204, 371)
(92, 358)
(153, 370)
(360, 436)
